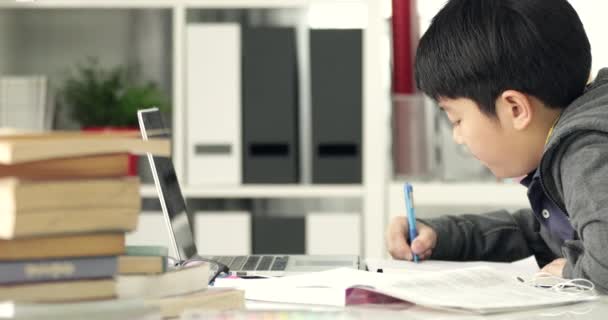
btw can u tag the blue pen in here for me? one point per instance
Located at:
(408, 192)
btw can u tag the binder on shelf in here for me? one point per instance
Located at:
(270, 126)
(213, 104)
(279, 235)
(336, 86)
(23, 103)
(322, 228)
(211, 230)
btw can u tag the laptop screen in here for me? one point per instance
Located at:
(152, 125)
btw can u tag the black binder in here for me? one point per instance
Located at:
(270, 100)
(279, 235)
(336, 85)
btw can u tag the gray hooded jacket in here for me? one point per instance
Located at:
(573, 176)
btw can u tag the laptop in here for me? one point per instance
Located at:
(177, 219)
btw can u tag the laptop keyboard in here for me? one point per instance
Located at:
(265, 263)
(225, 260)
(251, 263)
(254, 263)
(237, 263)
(280, 263)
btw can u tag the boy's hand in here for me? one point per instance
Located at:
(396, 236)
(556, 267)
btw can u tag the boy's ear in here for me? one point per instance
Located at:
(516, 109)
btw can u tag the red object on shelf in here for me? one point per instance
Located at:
(132, 158)
(405, 39)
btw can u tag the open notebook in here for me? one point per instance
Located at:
(477, 289)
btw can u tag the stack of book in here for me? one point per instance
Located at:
(144, 273)
(66, 203)
(143, 260)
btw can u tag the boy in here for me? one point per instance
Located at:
(512, 77)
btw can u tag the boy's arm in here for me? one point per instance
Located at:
(584, 177)
(494, 236)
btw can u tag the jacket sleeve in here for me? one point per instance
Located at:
(494, 236)
(584, 177)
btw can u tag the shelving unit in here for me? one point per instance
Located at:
(465, 194)
(380, 197)
(375, 109)
(266, 191)
(152, 4)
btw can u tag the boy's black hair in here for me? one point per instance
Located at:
(477, 49)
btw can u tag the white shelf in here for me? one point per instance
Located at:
(465, 194)
(266, 191)
(147, 191)
(218, 4)
(372, 193)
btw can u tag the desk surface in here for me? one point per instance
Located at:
(595, 310)
(453, 283)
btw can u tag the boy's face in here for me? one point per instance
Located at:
(490, 139)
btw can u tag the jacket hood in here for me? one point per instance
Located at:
(587, 113)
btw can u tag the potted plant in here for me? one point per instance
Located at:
(108, 99)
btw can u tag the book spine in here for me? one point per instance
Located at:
(57, 269)
(71, 221)
(77, 194)
(146, 250)
(97, 166)
(65, 246)
(133, 265)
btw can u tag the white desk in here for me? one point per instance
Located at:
(596, 310)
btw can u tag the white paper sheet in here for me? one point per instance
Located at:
(525, 267)
(478, 289)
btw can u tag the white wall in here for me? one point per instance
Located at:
(592, 13)
(151, 45)
(427, 9)
(55, 40)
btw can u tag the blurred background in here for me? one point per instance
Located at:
(298, 116)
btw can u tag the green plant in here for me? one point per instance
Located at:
(96, 96)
